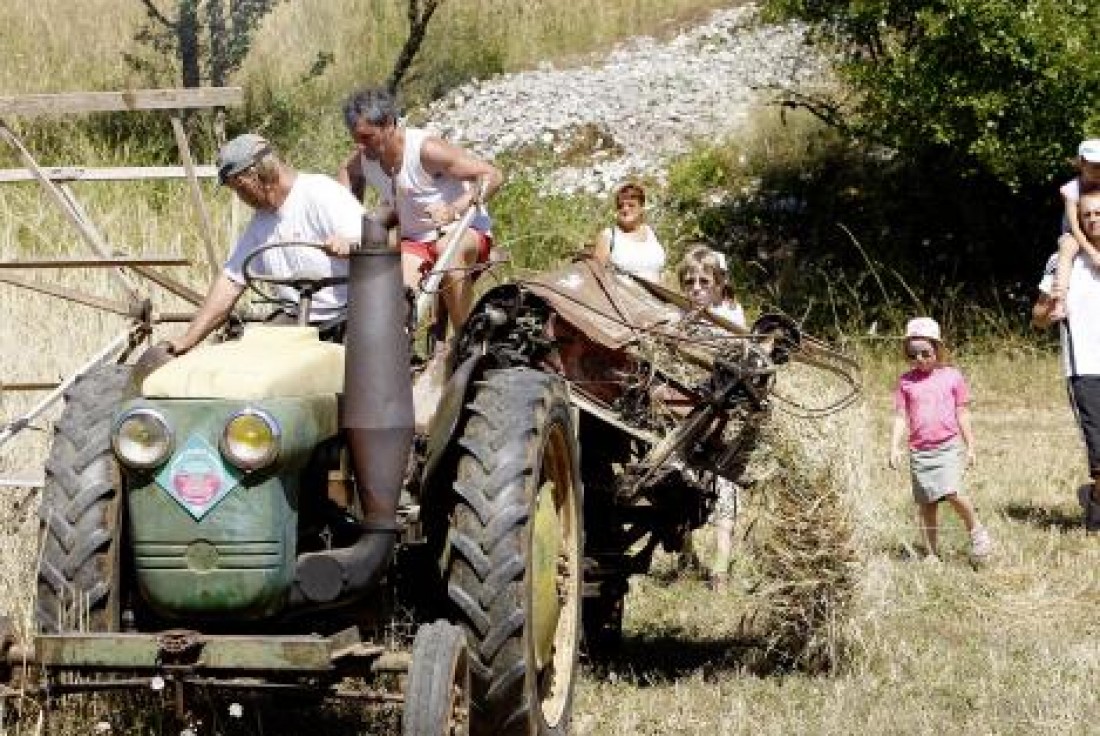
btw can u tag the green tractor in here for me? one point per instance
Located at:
(258, 513)
(255, 513)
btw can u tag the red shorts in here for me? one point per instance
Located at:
(428, 253)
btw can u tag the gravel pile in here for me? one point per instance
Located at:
(646, 101)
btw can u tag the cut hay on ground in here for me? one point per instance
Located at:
(801, 527)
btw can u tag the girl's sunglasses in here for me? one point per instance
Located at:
(704, 281)
(921, 353)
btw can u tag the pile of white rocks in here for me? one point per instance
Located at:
(648, 100)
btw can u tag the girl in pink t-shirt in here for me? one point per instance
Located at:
(930, 405)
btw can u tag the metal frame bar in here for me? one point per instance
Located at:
(67, 103)
(118, 173)
(9, 430)
(430, 285)
(197, 200)
(63, 199)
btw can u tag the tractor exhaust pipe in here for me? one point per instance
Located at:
(377, 419)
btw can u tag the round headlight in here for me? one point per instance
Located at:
(251, 439)
(142, 439)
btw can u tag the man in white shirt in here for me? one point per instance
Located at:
(289, 206)
(1080, 331)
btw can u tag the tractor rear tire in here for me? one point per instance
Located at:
(437, 698)
(514, 555)
(80, 513)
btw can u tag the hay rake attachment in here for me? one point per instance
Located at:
(136, 304)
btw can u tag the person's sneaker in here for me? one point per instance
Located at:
(1090, 508)
(980, 544)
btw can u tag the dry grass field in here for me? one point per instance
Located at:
(363, 36)
(1010, 648)
(922, 648)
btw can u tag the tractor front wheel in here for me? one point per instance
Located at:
(514, 554)
(80, 513)
(437, 697)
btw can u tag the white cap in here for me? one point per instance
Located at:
(1090, 150)
(923, 327)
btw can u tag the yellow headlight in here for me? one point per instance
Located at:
(142, 439)
(251, 439)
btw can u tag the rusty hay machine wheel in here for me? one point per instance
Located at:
(513, 563)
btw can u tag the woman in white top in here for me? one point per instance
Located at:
(631, 245)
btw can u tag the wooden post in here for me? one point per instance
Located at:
(201, 213)
(69, 294)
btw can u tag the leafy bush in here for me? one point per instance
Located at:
(850, 239)
(1004, 88)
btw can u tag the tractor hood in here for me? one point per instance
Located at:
(269, 361)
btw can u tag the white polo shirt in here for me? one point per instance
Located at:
(316, 208)
(1081, 329)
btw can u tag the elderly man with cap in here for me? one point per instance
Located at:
(1080, 333)
(290, 206)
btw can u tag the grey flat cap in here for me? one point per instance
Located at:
(241, 153)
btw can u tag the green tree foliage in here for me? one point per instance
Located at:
(999, 88)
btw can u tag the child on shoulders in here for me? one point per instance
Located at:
(1073, 240)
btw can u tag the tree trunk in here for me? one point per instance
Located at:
(215, 27)
(187, 34)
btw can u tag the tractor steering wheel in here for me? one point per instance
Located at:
(306, 283)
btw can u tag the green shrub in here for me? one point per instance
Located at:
(997, 88)
(851, 240)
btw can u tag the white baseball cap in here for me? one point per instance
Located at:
(923, 327)
(1090, 150)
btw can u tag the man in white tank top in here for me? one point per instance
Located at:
(426, 184)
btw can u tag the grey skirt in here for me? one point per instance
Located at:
(937, 472)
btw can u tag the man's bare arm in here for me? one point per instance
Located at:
(1041, 311)
(350, 174)
(215, 309)
(440, 157)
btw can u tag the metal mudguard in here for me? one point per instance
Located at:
(445, 421)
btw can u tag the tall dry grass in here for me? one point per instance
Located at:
(51, 46)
